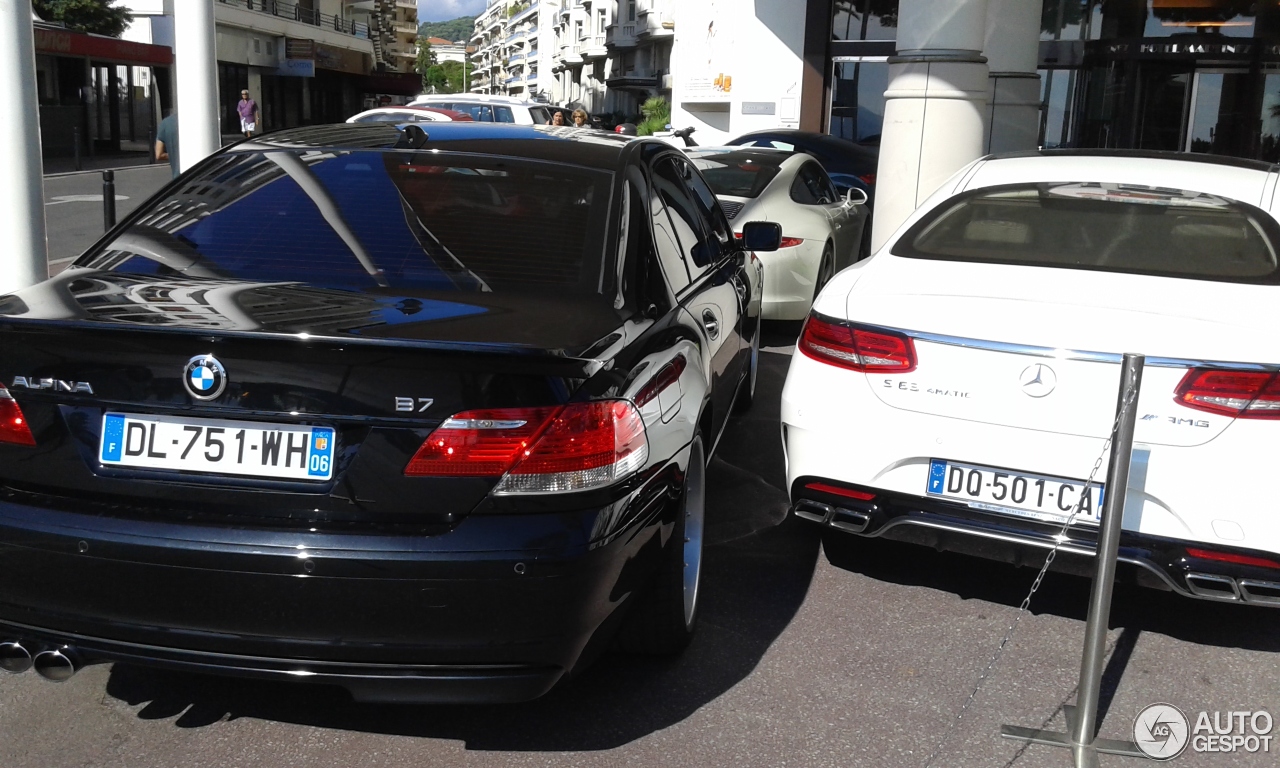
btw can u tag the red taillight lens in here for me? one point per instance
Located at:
(787, 242)
(1231, 557)
(869, 179)
(1242, 394)
(538, 450)
(855, 348)
(13, 425)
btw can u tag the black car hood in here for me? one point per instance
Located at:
(566, 324)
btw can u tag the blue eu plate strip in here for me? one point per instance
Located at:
(112, 437)
(937, 475)
(320, 460)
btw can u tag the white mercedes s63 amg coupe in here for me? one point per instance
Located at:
(956, 389)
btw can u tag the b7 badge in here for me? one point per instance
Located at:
(408, 405)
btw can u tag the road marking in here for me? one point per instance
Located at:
(60, 199)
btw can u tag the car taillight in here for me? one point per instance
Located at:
(787, 242)
(1232, 557)
(538, 450)
(1242, 394)
(869, 179)
(13, 425)
(857, 348)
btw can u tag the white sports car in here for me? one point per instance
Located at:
(822, 231)
(955, 389)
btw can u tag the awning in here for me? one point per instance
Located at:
(394, 83)
(64, 42)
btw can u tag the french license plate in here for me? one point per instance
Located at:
(284, 451)
(1021, 494)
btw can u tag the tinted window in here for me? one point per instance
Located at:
(540, 115)
(739, 174)
(1110, 228)
(707, 203)
(503, 115)
(668, 245)
(479, 112)
(685, 214)
(811, 186)
(366, 218)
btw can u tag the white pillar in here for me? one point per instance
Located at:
(934, 108)
(197, 76)
(25, 259)
(1012, 49)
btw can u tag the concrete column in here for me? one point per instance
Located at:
(1012, 49)
(935, 107)
(25, 259)
(196, 63)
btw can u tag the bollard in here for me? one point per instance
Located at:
(75, 146)
(108, 199)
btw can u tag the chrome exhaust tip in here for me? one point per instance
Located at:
(1263, 592)
(812, 510)
(850, 520)
(1213, 587)
(14, 657)
(56, 665)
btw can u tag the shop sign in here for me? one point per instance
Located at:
(340, 59)
(296, 68)
(299, 48)
(759, 107)
(61, 42)
(1157, 49)
(706, 64)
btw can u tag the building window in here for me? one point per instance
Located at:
(631, 10)
(864, 20)
(600, 25)
(257, 45)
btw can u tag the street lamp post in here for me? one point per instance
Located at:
(197, 76)
(22, 229)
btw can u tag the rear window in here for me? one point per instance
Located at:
(392, 219)
(739, 174)
(1103, 227)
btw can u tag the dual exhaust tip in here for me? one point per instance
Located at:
(54, 664)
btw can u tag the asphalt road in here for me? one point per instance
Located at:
(859, 654)
(73, 207)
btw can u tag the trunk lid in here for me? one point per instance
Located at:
(380, 370)
(1006, 340)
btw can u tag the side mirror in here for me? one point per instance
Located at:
(761, 236)
(854, 196)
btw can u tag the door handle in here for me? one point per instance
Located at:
(711, 323)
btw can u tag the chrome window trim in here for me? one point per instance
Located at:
(1061, 354)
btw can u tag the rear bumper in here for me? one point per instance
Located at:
(1155, 561)
(789, 275)
(497, 609)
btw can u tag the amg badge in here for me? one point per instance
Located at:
(57, 385)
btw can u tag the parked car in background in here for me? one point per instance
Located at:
(956, 389)
(848, 164)
(822, 230)
(374, 408)
(485, 108)
(408, 114)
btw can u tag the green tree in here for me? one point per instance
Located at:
(101, 17)
(657, 114)
(426, 60)
(445, 77)
(460, 28)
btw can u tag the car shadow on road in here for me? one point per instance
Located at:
(1143, 609)
(756, 573)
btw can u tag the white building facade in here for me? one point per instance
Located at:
(513, 41)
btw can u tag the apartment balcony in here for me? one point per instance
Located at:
(593, 47)
(515, 57)
(570, 54)
(636, 80)
(655, 24)
(532, 10)
(295, 12)
(621, 35)
(411, 4)
(406, 27)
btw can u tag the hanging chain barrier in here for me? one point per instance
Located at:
(1058, 541)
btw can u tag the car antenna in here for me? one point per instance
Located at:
(412, 137)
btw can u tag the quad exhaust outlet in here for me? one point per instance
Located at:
(55, 664)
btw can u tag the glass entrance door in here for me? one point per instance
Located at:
(857, 98)
(1224, 118)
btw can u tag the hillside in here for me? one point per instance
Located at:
(454, 29)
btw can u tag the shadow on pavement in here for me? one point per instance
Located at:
(1138, 608)
(757, 570)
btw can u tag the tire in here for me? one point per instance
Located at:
(826, 268)
(747, 389)
(663, 620)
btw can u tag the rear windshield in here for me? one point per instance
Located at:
(740, 174)
(1104, 227)
(353, 219)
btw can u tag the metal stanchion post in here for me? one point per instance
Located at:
(108, 199)
(1082, 719)
(76, 145)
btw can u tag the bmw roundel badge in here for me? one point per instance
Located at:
(205, 377)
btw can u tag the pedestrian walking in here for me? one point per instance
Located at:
(167, 142)
(580, 118)
(249, 114)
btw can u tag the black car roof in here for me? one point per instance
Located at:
(577, 146)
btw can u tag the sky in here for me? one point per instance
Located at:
(444, 10)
